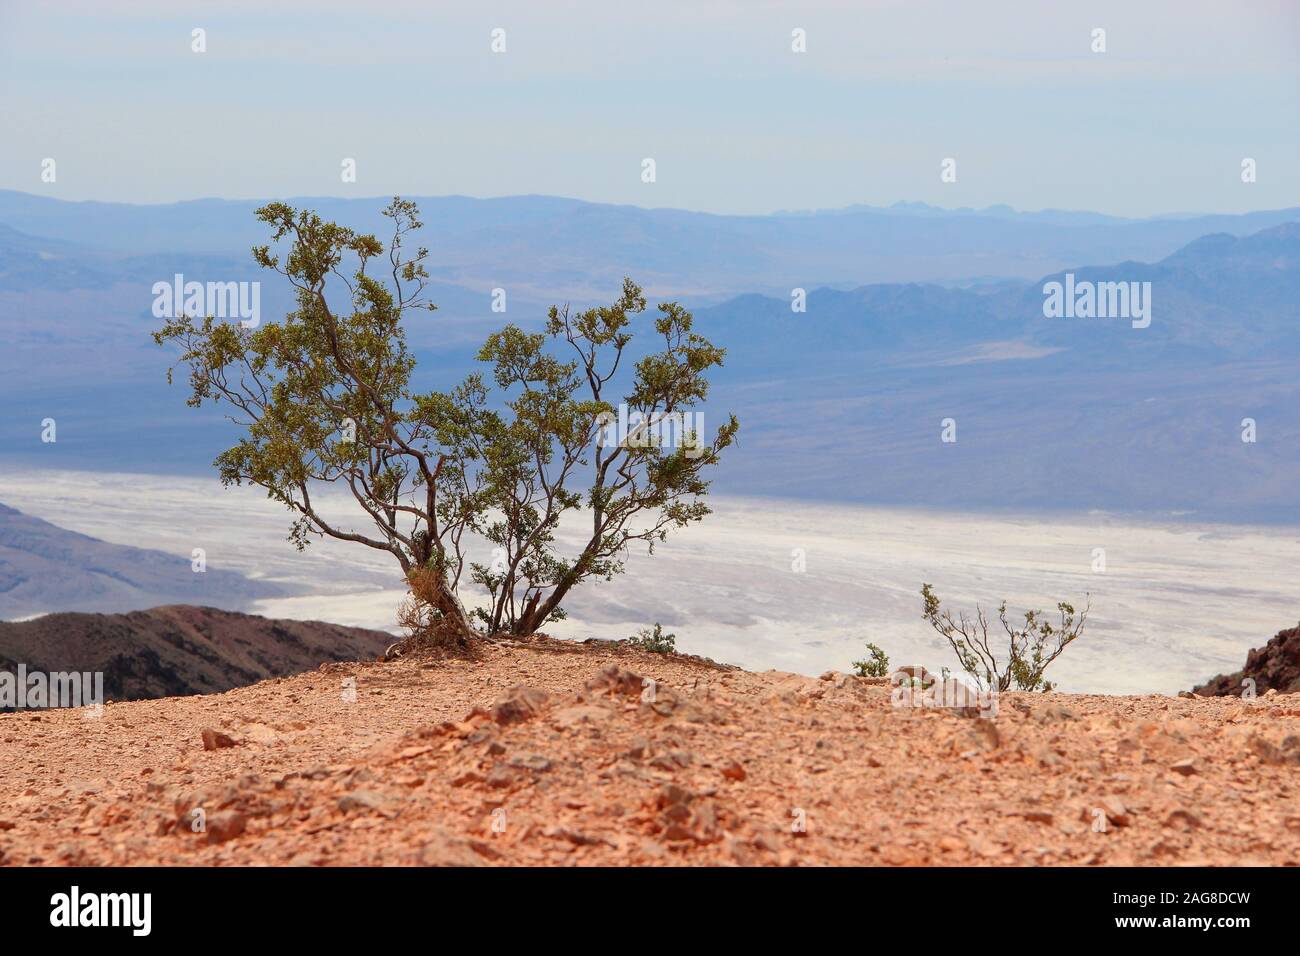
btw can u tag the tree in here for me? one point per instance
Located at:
(876, 664)
(1031, 647)
(325, 398)
(655, 641)
(643, 479)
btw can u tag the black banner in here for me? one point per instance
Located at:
(335, 906)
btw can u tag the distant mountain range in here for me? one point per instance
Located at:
(45, 568)
(180, 650)
(1220, 296)
(842, 401)
(545, 248)
(845, 400)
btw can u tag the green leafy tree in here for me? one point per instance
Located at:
(325, 398)
(559, 423)
(1031, 646)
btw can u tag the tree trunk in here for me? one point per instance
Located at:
(433, 612)
(453, 613)
(536, 613)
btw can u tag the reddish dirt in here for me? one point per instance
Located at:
(180, 649)
(441, 762)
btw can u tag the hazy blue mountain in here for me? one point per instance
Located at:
(46, 568)
(1221, 295)
(843, 401)
(1216, 297)
(546, 247)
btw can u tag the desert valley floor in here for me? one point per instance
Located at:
(767, 583)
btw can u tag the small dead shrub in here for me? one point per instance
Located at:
(1031, 647)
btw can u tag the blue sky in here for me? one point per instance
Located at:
(735, 121)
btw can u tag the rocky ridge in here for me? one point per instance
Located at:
(542, 752)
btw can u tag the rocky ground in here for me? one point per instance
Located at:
(552, 753)
(179, 649)
(1275, 666)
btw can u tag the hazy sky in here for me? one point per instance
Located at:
(735, 121)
